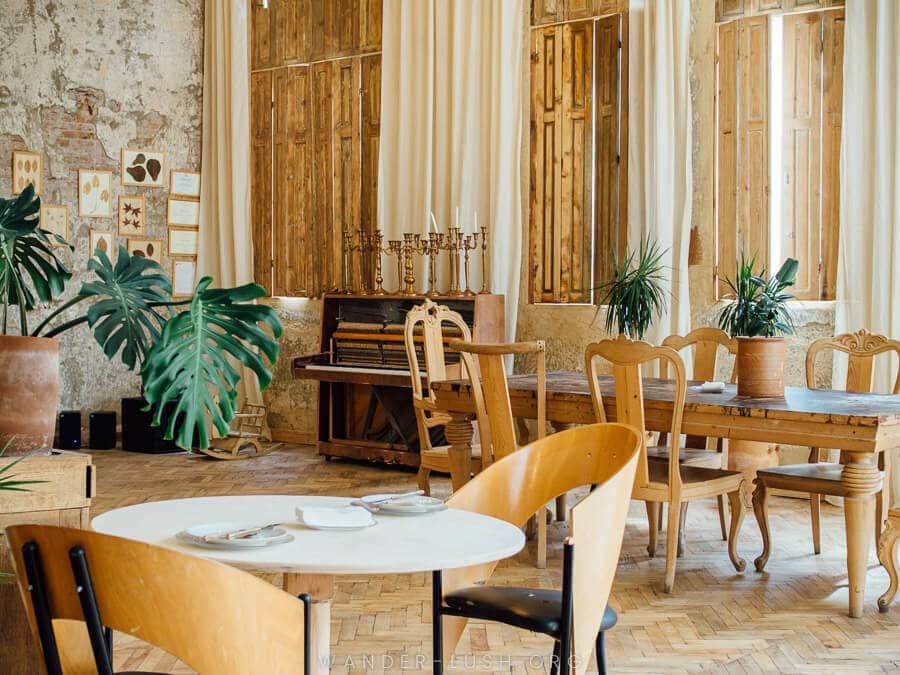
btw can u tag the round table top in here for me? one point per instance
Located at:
(396, 544)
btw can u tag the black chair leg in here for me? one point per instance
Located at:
(601, 653)
(437, 626)
(554, 662)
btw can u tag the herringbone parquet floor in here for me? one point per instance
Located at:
(791, 619)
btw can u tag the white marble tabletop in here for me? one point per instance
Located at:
(396, 544)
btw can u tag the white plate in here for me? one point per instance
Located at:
(270, 536)
(318, 518)
(412, 506)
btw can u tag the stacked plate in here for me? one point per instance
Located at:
(335, 518)
(411, 505)
(215, 535)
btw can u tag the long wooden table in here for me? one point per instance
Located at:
(862, 425)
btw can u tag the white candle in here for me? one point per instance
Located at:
(434, 223)
(457, 216)
(475, 221)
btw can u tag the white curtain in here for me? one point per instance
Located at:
(868, 280)
(452, 119)
(659, 146)
(225, 242)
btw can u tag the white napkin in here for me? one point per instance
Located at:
(342, 516)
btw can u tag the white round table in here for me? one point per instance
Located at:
(395, 545)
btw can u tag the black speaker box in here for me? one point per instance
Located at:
(103, 429)
(69, 430)
(137, 434)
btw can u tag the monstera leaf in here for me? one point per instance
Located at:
(26, 255)
(189, 370)
(124, 298)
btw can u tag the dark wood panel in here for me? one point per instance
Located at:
(262, 35)
(293, 31)
(370, 74)
(261, 176)
(727, 160)
(832, 115)
(346, 158)
(370, 18)
(326, 276)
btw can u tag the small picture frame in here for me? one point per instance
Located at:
(103, 240)
(184, 183)
(94, 194)
(146, 248)
(55, 219)
(143, 168)
(132, 211)
(184, 277)
(27, 167)
(184, 213)
(183, 241)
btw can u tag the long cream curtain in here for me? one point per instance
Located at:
(452, 119)
(225, 241)
(868, 280)
(659, 146)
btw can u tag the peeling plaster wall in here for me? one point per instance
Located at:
(78, 82)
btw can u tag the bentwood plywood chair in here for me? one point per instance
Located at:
(424, 335)
(79, 586)
(662, 482)
(486, 369)
(824, 478)
(706, 343)
(577, 617)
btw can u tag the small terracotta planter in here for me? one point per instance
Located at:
(29, 385)
(760, 364)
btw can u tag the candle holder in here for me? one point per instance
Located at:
(484, 270)
(346, 261)
(364, 247)
(469, 243)
(433, 248)
(410, 246)
(377, 250)
(395, 247)
(452, 247)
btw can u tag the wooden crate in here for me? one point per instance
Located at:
(63, 499)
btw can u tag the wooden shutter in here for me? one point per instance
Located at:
(261, 176)
(294, 256)
(546, 11)
(293, 28)
(370, 13)
(610, 225)
(262, 36)
(802, 106)
(579, 9)
(727, 160)
(327, 275)
(832, 107)
(370, 73)
(730, 9)
(345, 140)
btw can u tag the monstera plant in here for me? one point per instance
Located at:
(186, 351)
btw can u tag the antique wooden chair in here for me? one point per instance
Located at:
(707, 343)
(246, 433)
(486, 370)
(79, 586)
(824, 478)
(662, 482)
(605, 455)
(430, 317)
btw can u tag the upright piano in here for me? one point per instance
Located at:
(365, 397)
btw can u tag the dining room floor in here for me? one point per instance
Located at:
(791, 619)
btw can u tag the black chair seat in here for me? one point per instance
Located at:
(534, 609)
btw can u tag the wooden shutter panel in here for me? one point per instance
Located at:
(261, 176)
(727, 161)
(800, 149)
(345, 139)
(579, 9)
(546, 112)
(262, 36)
(293, 28)
(731, 9)
(370, 73)
(610, 235)
(832, 103)
(370, 14)
(327, 276)
(753, 153)
(546, 11)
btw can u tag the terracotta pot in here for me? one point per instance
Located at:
(29, 384)
(760, 364)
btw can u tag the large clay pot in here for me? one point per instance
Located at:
(760, 366)
(29, 383)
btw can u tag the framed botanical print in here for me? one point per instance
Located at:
(28, 167)
(184, 184)
(132, 210)
(102, 240)
(146, 248)
(55, 219)
(143, 168)
(94, 193)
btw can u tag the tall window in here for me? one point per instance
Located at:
(778, 144)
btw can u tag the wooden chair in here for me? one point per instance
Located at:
(696, 451)
(246, 433)
(602, 454)
(79, 586)
(824, 478)
(485, 367)
(662, 482)
(431, 316)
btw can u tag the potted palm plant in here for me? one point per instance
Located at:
(758, 316)
(185, 351)
(635, 295)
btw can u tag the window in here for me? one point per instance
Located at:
(778, 144)
(577, 160)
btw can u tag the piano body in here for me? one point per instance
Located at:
(365, 399)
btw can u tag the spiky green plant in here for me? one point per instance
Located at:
(758, 304)
(635, 295)
(8, 481)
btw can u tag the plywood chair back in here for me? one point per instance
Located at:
(627, 357)
(707, 343)
(513, 488)
(861, 349)
(213, 617)
(485, 367)
(430, 316)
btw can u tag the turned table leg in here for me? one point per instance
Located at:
(459, 434)
(320, 588)
(862, 479)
